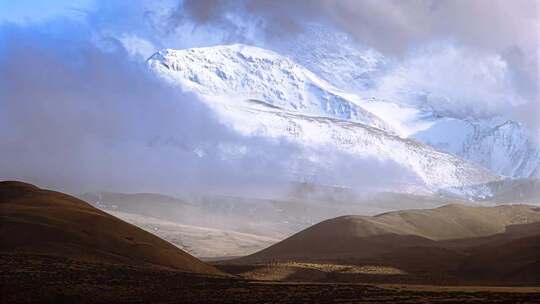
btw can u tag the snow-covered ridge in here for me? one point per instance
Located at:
(501, 145)
(404, 96)
(335, 57)
(260, 92)
(247, 72)
(436, 170)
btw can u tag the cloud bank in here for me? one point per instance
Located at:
(79, 116)
(389, 26)
(508, 31)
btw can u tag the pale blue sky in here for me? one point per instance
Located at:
(29, 11)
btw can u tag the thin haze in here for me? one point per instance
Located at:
(79, 116)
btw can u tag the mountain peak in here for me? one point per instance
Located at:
(241, 72)
(260, 92)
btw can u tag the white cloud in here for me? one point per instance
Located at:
(137, 47)
(454, 81)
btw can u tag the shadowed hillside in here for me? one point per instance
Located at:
(37, 221)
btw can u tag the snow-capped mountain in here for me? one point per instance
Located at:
(260, 92)
(502, 145)
(246, 72)
(388, 91)
(335, 57)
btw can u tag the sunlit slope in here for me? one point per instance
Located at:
(361, 236)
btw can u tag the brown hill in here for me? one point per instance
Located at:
(453, 243)
(511, 256)
(37, 221)
(243, 225)
(362, 236)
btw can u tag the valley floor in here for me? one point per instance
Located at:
(199, 241)
(325, 272)
(31, 278)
